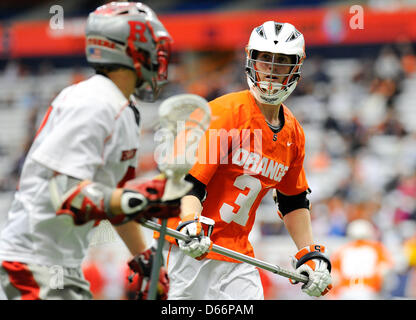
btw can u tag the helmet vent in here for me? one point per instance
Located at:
(116, 41)
(293, 36)
(260, 31)
(277, 28)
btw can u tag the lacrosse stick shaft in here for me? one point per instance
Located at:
(229, 253)
(157, 262)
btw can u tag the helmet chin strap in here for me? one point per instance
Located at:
(272, 90)
(270, 86)
(275, 99)
(262, 99)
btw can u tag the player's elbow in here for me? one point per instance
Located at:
(82, 200)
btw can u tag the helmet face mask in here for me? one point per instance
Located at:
(129, 34)
(151, 68)
(275, 54)
(270, 78)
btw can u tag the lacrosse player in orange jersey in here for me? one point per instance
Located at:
(254, 144)
(361, 266)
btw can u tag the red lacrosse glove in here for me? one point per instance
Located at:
(153, 191)
(141, 265)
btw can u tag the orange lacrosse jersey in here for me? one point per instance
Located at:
(360, 263)
(240, 159)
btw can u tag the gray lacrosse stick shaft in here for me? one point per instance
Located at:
(229, 253)
(157, 261)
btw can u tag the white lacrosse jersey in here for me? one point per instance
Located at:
(90, 132)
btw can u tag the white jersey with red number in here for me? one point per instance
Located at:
(89, 132)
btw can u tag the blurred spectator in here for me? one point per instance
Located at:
(387, 65)
(373, 109)
(409, 247)
(407, 57)
(337, 216)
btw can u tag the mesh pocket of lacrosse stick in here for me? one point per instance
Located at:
(183, 119)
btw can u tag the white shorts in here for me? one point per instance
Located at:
(208, 279)
(21, 281)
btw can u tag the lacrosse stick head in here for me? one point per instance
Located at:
(183, 119)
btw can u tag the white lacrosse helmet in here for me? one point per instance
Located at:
(361, 229)
(274, 37)
(129, 34)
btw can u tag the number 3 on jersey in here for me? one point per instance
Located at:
(244, 201)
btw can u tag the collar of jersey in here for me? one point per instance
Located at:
(257, 113)
(112, 93)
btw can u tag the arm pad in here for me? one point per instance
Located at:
(83, 200)
(198, 190)
(289, 203)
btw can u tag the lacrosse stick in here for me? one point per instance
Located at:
(183, 120)
(230, 253)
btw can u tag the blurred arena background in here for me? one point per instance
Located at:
(356, 102)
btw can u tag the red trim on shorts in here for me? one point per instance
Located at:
(22, 279)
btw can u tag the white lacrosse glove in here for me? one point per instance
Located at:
(313, 263)
(200, 244)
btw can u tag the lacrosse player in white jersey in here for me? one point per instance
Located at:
(83, 153)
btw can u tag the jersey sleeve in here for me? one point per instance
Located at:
(73, 140)
(214, 145)
(294, 182)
